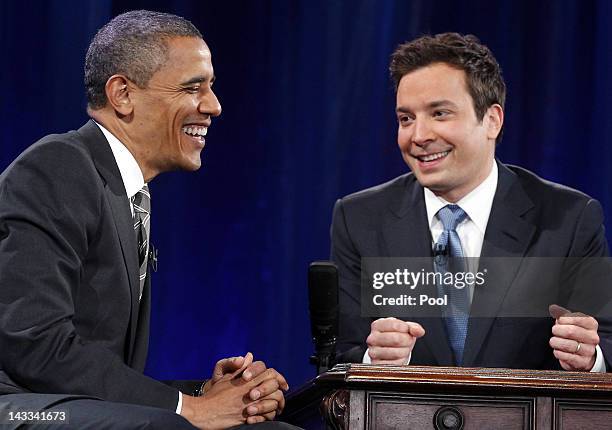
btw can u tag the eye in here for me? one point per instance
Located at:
(440, 113)
(192, 89)
(404, 120)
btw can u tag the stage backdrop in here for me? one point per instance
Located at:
(308, 116)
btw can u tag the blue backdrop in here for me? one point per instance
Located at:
(308, 116)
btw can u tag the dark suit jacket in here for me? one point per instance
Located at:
(530, 217)
(70, 318)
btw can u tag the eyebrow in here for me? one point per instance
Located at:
(441, 103)
(432, 105)
(197, 80)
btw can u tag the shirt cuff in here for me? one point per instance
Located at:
(179, 406)
(368, 360)
(600, 364)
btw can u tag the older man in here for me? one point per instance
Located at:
(74, 246)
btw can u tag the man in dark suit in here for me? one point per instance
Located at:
(74, 216)
(461, 200)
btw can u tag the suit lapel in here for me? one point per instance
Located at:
(125, 230)
(406, 234)
(507, 236)
(115, 193)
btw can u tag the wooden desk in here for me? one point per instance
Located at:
(360, 396)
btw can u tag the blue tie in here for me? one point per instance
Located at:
(458, 310)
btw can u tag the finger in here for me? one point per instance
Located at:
(282, 382)
(390, 339)
(571, 346)
(265, 388)
(256, 419)
(576, 362)
(389, 354)
(281, 401)
(557, 311)
(248, 359)
(270, 416)
(390, 324)
(253, 370)
(565, 365)
(226, 365)
(262, 407)
(576, 333)
(279, 397)
(399, 362)
(580, 320)
(416, 329)
(265, 417)
(269, 374)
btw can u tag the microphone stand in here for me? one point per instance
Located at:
(324, 356)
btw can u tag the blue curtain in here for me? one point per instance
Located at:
(308, 116)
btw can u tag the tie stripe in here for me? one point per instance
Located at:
(141, 202)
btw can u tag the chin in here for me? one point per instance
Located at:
(192, 167)
(192, 163)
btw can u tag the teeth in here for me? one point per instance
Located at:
(196, 131)
(432, 157)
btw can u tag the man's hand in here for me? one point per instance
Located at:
(232, 366)
(391, 340)
(271, 400)
(574, 339)
(239, 391)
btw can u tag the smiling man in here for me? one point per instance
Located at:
(460, 201)
(75, 289)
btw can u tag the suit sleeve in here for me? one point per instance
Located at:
(593, 292)
(353, 328)
(589, 238)
(50, 206)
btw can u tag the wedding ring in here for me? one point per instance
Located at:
(577, 348)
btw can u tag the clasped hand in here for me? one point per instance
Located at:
(239, 391)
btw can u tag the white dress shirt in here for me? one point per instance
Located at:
(131, 174)
(133, 181)
(477, 205)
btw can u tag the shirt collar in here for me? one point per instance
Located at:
(131, 174)
(476, 204)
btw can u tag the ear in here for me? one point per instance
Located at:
(495, 120)
(118, 89)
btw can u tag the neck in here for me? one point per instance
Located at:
(119, 127)
(456, 194)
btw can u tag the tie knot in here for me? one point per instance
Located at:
(451, 216)
(142, 200)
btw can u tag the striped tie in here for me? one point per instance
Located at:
(142, 216)
(458, 311)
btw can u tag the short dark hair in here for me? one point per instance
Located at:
(484, 79)
(135, 44)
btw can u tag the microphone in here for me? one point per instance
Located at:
(439, 249)
(323, 309)
(153, 252)
(440, 253)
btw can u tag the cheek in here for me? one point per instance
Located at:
(403, 139)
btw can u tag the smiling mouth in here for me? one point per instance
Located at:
(196, 131)
(432, 157)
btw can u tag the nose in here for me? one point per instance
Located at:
(209, 104)
(422, 132)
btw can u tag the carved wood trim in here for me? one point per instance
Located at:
(335, 409)
(478, 378)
